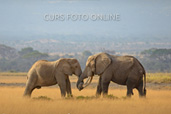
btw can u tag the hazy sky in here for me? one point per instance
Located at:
(23, 18)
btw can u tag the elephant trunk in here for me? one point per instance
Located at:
(80, 83)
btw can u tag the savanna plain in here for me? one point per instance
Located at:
(47, 100)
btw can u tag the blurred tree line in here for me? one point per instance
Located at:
(28, 56)
(23, 60)
(154, 60)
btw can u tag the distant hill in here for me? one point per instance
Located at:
(154, 60)
(7, 52)
(14, 60)
(79, 43)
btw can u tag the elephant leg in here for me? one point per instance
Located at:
(63, 89)
(28, 90)
(130, 85)
(140, 89)
(30, 86)
(105, 86)
(68, 87)
(99, 88)
(61, 79)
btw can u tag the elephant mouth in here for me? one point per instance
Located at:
(84, 85)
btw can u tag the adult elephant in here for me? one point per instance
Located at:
(123, 70)
(46, 73)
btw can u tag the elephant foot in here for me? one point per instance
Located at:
(98, 95)
(128, 95)
(142, 96)
(105, 95)
(26, 96)
(69, 95)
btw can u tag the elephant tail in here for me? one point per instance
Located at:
(145, 83)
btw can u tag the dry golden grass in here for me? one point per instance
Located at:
(13, 73)
(8, 77)
(159, 77)
(13, 79)
(12, 102)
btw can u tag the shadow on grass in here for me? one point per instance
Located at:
(86, 97)
(45, 98)
(112, 97)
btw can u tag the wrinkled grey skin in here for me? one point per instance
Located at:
(46, 73)
(123, 70)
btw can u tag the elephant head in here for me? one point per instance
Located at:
(95, 65)
(70, 66)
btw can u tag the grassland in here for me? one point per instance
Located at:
(11, 102)
(48, 101)
(159, 77)
(13, 73)
(10, 77)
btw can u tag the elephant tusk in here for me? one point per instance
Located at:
(88, 83)
(87, 80)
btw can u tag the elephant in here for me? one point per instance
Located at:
(48, 73)
(123, 70)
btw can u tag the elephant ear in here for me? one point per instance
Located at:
(91, 62)
(65, 66)
(90, 58)
(102, 62)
